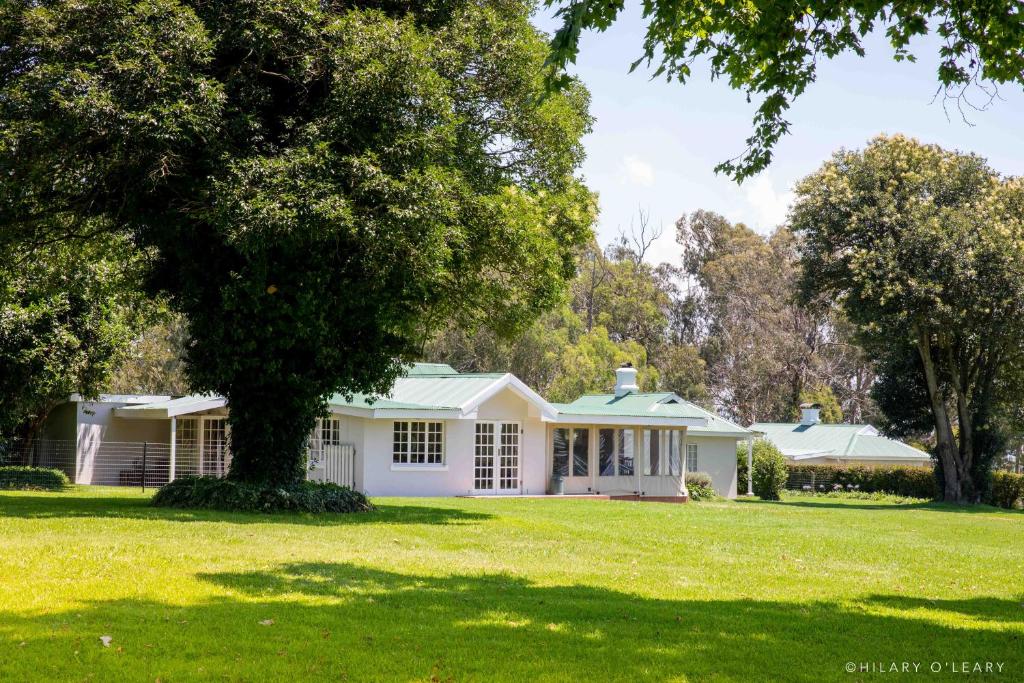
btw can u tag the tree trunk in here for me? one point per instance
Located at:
(946, 449)
(269, 438)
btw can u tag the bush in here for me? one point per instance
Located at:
(912, 482)
(769, 469)
(225, 494)
(699, 486)
(860, 495)
(24, 478)
(1007, 490)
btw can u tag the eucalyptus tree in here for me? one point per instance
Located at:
(924, 249)
(321, 183)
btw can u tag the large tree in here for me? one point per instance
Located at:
(771, 49)
(67, 314)
(323, 183)
(924, 248)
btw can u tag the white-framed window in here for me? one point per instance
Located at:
(418, 443)
(692, 461)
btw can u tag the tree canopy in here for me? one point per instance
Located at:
(770, 49)
(320, 184)
(924, 248)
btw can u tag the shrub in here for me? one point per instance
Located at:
(912, 482)
(1007, 490)
(769, 469)
(32, 478)
(861, 495)
(225, 494)
(699, 486)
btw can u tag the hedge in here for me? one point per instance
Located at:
(914, 482)
(1007, 490)
(225, 494)
(24, 478)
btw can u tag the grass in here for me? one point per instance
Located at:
(520, 590)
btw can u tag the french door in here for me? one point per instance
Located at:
(496, 463)
(214, 455)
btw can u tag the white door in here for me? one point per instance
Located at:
(496, 464)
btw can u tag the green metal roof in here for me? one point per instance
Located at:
(636, 404)
(431, 369)
(425, 392)
(835, 440)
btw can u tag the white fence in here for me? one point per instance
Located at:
(149, 464)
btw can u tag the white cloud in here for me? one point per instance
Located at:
(767, 205)
(637, 172)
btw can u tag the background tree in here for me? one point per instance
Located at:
(67, 313)
(323, 184)
(154, 362)
(925, 250)
(771, 50)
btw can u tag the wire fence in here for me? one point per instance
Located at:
(114, 463)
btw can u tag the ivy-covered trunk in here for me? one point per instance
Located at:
(269, 438)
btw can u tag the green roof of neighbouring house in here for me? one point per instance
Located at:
(855, 442)
(637, 404)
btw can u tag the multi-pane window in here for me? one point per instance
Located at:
(615, 452)
(692, 464)
(418, 443)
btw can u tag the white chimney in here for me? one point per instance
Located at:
(810, 413)
(625, 380)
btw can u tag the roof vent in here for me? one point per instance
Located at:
(625, 380)
(810, 413)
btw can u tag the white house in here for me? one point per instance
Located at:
(810, 442)
(439, 432)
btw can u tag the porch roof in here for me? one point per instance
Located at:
(654, 409)
(172, 407)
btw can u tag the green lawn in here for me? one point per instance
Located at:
(474, 589)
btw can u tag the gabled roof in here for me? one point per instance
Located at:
(437, 390)
(854, 442)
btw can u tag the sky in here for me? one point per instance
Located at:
(654, 145)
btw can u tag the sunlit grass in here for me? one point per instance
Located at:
(476, 589)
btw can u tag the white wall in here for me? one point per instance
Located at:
(381, 478)
(101, 455)
(716, 455)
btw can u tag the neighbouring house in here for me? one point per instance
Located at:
(439, 432)
(809, 442)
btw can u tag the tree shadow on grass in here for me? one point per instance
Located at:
(853, 504)
(336, 621)
(43, 506)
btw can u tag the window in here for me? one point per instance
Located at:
(652, 450)
(692, 463)
(580, 452)
(615, 452)
(560, 461)
(675, 457)
(625, 451)
(578, 440)
(418, 443)
(606, 452)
